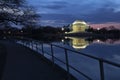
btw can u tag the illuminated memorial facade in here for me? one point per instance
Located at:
(78, 26)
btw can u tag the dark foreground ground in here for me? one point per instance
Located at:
(20, 63)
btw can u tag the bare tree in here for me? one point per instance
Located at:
(16, 12)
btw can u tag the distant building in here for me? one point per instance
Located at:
(78, 26)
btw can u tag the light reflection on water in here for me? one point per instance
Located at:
(108, 49)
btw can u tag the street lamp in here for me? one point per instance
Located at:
(62, 29)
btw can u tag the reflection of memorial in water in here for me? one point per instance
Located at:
(77, 43)
(82, 43)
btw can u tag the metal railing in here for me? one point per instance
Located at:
(36, 45)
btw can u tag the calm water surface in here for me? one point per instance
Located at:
(108, 49)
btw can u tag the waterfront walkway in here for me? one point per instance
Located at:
(21, 63)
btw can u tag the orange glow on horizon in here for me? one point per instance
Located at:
(95, 26)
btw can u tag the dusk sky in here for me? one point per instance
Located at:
(63, 12)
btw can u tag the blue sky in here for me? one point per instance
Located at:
(63, 12)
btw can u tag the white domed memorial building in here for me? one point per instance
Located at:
(78, 26)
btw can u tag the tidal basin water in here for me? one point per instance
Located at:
(108, 49)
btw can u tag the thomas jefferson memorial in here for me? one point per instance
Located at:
(78, 26)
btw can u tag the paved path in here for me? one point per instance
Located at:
(20, 63)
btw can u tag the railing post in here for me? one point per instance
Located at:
(67, 63)
(26, 44)
(52, 53)
(23, 43)
(42, 49)
(36, 47)
(101, 70)
(31, 44)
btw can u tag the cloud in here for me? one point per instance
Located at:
(92, 11)
(57, 19)
(65, 17)
(76, 7)
(55, 23)
(60, 2)
(103, 15)
(55, 5)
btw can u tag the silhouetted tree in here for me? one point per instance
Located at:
(16, 12)
(90, 29)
